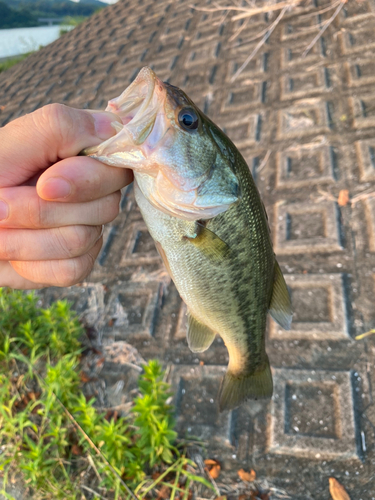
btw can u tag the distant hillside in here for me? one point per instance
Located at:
(10, 18)
(23, 13)
(82, 3)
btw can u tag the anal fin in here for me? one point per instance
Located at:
(280, 307)
(199, 336)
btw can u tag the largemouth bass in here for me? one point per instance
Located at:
(205, 214)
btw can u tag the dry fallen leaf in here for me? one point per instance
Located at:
(343, 198)
(77, 450)
(84, 377)
(33, 395)
(223, 497)
(164, 493)
(337, 491)
(247, 476)
(213, 468)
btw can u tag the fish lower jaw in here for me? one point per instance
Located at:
(187, 212)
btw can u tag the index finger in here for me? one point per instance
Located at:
(81, 179)
(36, 141)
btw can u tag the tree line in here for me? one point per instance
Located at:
(19, 14)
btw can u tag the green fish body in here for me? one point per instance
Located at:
(205, 214)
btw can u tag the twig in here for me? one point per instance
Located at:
(167, 372)
(92, 463)
(212, 480)
(325, 195)
(261, 33)
(259, 45)
(219, 8)
(363, 335)
(316, 13)
(92, 491)
(362, 196)
(132, 365)
(326, 24)
(222, 19)
(238, 31)
(264, 161)
(268, 8)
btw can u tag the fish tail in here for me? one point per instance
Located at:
(235, 389)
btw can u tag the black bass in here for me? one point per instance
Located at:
(204, 212)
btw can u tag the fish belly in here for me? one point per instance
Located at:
(229, 305)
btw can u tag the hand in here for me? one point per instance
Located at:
(53, 203)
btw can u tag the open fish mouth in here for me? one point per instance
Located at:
(140, 108)
(151, 141)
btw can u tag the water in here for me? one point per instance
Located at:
(20, 40)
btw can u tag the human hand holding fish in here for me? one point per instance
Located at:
(205, 214)
(53, 203)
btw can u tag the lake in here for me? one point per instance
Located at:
(20, 40)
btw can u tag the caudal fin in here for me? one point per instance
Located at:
(235, 390)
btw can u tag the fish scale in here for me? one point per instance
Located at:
(204, 212)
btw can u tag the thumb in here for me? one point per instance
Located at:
(36, 141)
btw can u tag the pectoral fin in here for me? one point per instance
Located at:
(199, 336)
(210, 244)
(280, 306)
(161, 252)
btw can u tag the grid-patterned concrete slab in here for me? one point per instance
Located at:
(306, 126)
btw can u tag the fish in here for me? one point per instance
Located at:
(209, 224)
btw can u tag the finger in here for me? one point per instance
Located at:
(21, 207)
(81, 179)
(67, 272)
(47, 244)
(37, 140)
(9, 277)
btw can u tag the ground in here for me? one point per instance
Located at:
(306, 127)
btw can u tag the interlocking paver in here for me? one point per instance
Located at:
(306, 126)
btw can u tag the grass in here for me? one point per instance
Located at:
(8, 63)
(54, 441)
(71, 21)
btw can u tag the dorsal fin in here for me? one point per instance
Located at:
(199, 336)
(280, 307)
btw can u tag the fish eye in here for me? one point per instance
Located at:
(188, 119)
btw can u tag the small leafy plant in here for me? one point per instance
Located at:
(54, 440)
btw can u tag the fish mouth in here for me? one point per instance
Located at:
(148, 141)
(142, 126)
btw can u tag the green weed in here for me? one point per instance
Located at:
(71, 22)
(9, 63)
(53, 438)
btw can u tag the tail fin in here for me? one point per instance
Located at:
(235, 390)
